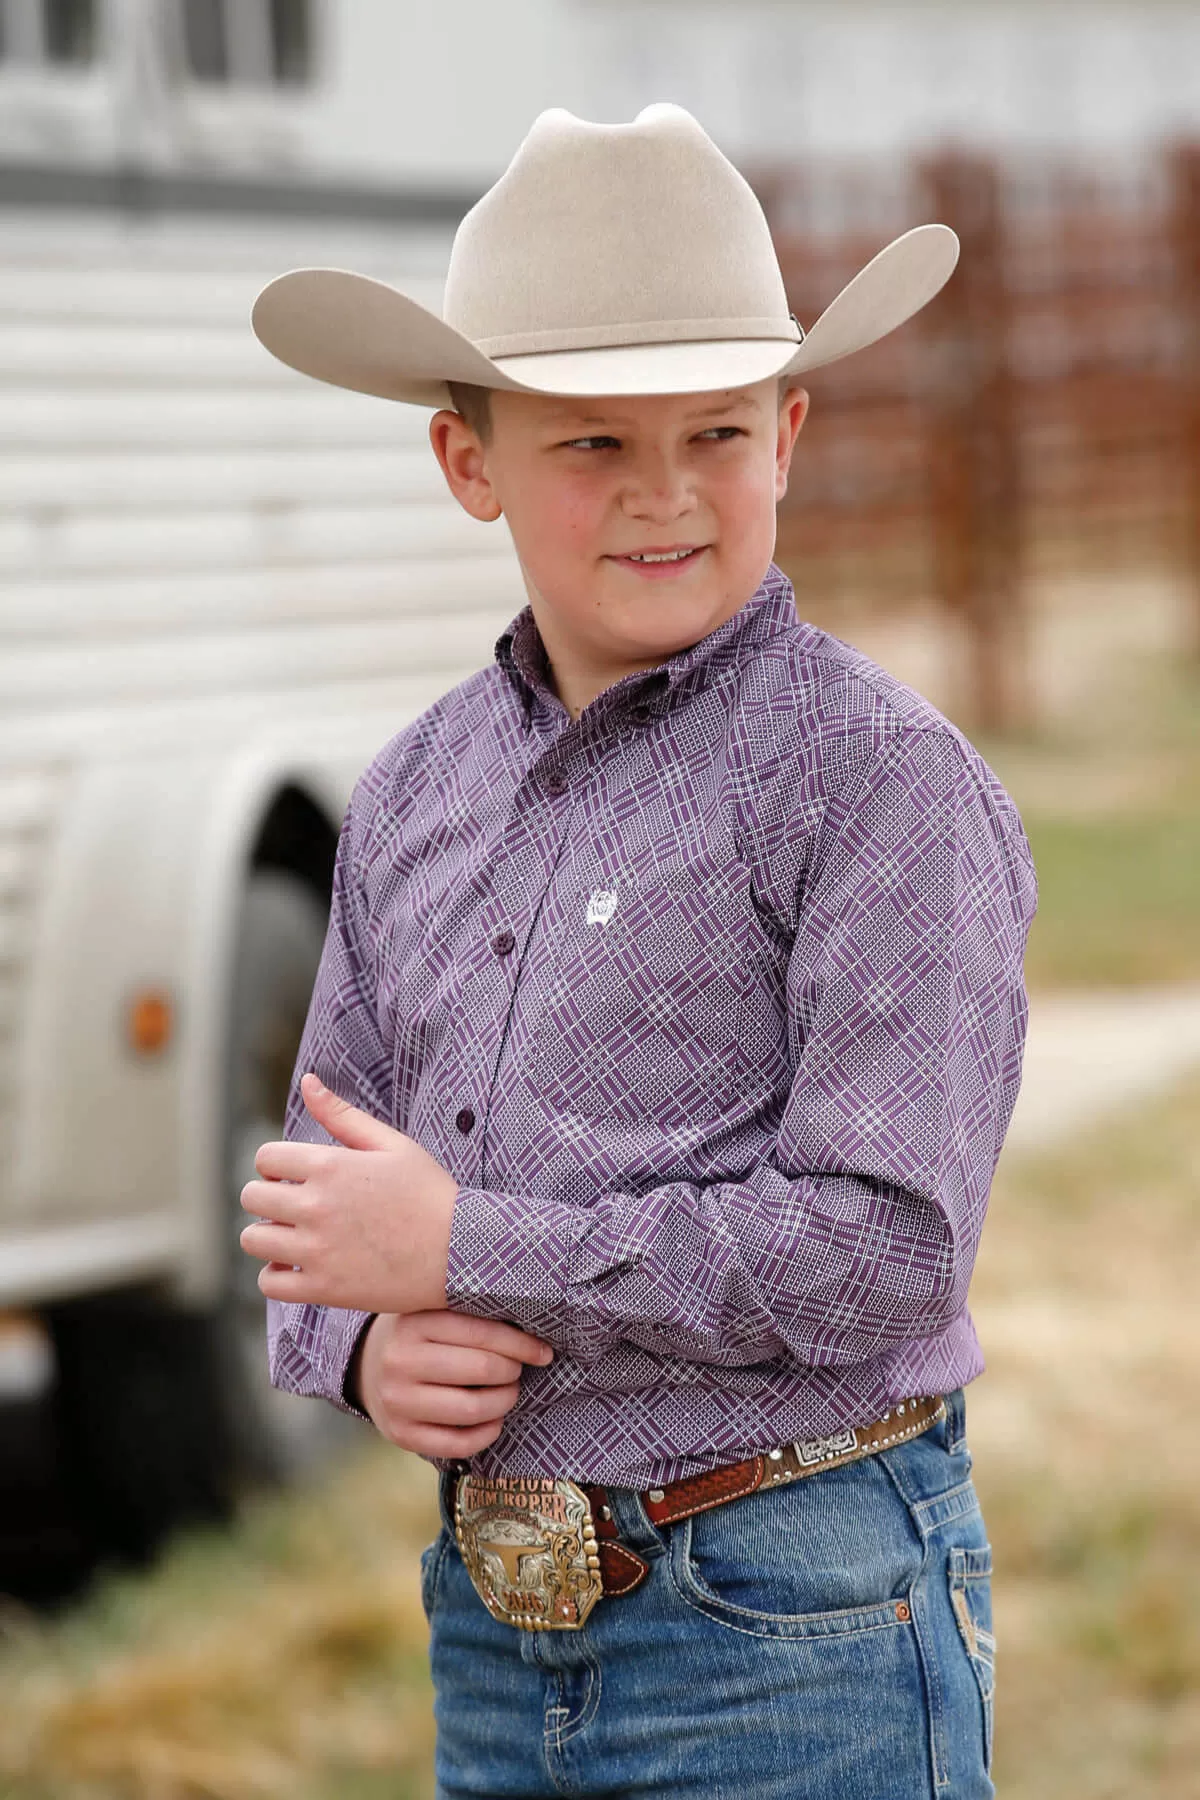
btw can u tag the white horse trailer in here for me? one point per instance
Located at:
(223, 589)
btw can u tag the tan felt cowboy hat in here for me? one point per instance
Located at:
(607, 259)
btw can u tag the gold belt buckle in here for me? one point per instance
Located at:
(529, 1545)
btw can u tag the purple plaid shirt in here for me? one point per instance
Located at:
(712, 1002)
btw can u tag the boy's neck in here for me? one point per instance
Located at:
(577, 677)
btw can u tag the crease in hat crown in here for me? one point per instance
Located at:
(607, 259)
(621, 251)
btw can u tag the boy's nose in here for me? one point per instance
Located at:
(659, 491)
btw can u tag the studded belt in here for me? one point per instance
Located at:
(541, 1551)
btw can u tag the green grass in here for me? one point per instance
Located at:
(1118, 900)
(1109, 794)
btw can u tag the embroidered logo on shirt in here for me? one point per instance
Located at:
(601, 906)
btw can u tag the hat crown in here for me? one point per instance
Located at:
(604, 235)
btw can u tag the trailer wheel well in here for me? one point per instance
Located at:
(297, 836)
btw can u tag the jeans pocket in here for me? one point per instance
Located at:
(970, 1576)
(432, 1558)
(831, 1555)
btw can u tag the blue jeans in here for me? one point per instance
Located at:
(827, 1640)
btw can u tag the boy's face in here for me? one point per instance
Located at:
(595, 490)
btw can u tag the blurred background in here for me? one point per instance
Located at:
(223, 588)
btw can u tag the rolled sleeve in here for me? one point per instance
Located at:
(310, 1347)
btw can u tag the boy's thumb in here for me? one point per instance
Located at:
(355, 1129)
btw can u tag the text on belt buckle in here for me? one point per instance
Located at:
(529, 1545)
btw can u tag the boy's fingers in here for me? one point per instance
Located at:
(290, 1162)
(268, 1241)
(469, 1407)
(464, 1329)
(280, 1281)
(279, 1200)
(449, 1365)
(444, 1442)
(348, 1124)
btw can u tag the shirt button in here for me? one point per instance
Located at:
(555, 782)
(464, 1119)
(503, 942)
(640, 714)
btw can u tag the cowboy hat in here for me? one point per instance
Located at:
(607, 259)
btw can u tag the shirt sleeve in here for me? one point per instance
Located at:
(309, 1347)
(907, 1014)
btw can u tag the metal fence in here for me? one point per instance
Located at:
(1043, 412)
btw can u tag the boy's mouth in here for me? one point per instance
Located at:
(667, 561)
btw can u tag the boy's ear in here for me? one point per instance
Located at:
(464, 464)
(793, 410)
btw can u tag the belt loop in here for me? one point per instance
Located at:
(634, 1525)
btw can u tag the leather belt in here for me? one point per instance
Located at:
(541, 1551)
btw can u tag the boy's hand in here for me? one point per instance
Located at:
(367, 1226)
(439, 1383)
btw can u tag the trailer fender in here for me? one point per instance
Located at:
(122, 1118)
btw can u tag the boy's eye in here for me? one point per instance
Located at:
(715, 434)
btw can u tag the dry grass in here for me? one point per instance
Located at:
(289, 1657)
(1088, 1463)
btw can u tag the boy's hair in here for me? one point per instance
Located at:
(474, 404)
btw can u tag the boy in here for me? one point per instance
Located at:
(671, 1016)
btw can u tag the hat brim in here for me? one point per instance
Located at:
(362, 334)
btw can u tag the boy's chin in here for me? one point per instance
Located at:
(666, 622)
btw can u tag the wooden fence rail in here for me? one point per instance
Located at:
(1044, 411)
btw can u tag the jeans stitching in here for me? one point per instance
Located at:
(591, 1703)
(936, 1510)
(552, 1731)
(980, 1645)
(963, 1492)
(931, 1670)
(791, 1637)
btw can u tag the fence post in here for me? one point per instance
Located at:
(974, 477)
(1185, 194)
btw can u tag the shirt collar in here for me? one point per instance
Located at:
(770, 609)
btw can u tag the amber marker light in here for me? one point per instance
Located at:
(149, 1021)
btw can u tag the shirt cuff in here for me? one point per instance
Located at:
(353, 1364)
(310, 1348)
(510, 1258)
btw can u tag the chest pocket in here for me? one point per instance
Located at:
(646, 998)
